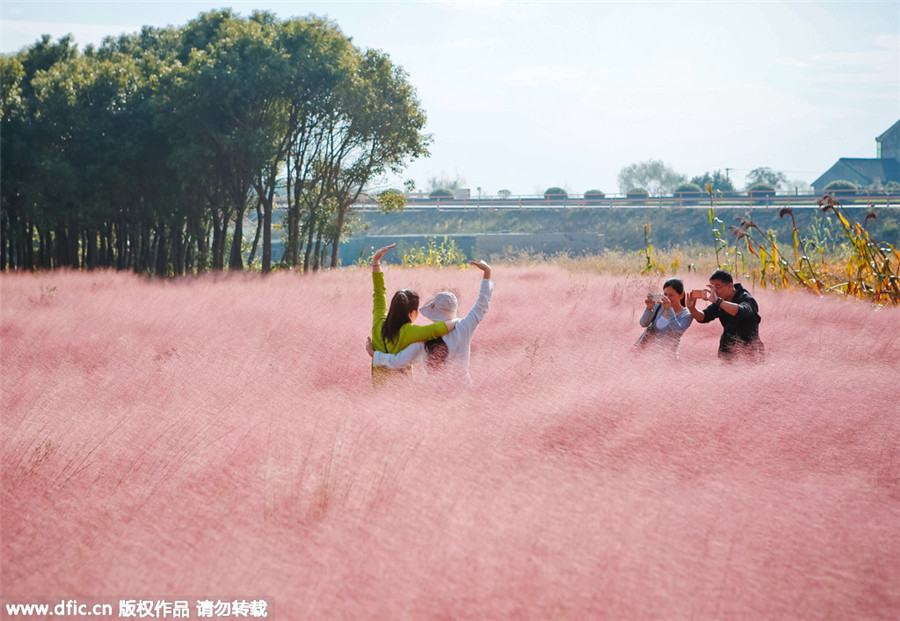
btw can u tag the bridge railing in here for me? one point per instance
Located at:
(682, 199)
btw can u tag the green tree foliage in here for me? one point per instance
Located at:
(719, 181)
(391, 200)
(444, 182)
(593, 196)
(555, 193)
(149, 152)
(688, 188)
(766, 175)
(761, 189)
(841, 185)
(652, 175)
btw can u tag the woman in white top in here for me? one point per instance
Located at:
(458, 352)
(667, 319)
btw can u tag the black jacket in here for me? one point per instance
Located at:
(740, 333)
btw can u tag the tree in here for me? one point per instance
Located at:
(146, 153)
(689, 193)
(594, 196)
(841, 187)
(92, 143)
(799, 186)
(13, 139)
(390, 200)
(689, 187)
(719, 181)
(766, 175)
(383, 132)
(555, 193)
(652, 175)
(443, 182)
(761, 190)
(228, 103)
(24, 152)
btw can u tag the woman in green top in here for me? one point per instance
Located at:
(393, 329)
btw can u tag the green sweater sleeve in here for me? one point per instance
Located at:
(409, 333)
(412, 333)
(379, 297)
(379, 309)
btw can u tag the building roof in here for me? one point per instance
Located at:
(890, 129)
(885, 169)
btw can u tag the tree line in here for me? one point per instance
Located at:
(656, 179)
(147, 152)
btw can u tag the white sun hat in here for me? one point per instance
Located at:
(442, 308)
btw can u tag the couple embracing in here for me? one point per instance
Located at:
(397, 343)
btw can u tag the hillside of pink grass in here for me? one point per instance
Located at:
(219, 437)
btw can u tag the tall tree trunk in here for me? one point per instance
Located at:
(237, 260)
(7, 240)
(339, 228)
(309, 239)
(292, 251)
(74, 248)
(91, 250)
(122, 245)
(256, 235)
(103, 254)
(220, 226)
(146, 243)
(60, 245)
(162, 251)
(268, 206)
(46, 250)
(178, 249)
(202, 233)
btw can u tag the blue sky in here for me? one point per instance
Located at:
(527, 95)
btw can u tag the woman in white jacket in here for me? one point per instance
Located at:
(444, 307)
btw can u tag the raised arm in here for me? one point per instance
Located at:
(484, 267)
(379, 295)
(647, 316)
(376, 259)
(695, 312)
(482, 304)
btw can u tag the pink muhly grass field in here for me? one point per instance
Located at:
(219, 438)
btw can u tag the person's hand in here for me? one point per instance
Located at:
(711, 294)
(690, 301)
(666, 303)
(484, 267)
(370, 348)
(380, 253)
(649, 301)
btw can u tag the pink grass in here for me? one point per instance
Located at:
(219, 438)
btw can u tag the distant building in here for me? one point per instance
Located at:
(865, 172)
(888, 143)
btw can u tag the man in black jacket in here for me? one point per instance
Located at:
(736, 309)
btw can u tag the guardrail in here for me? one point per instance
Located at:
(684, 199)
